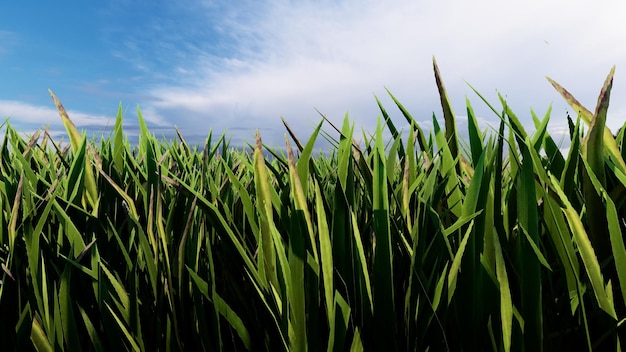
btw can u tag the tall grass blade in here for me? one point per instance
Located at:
(39, 338)
(587, 252)
(384, 307)
(267, 253)
(609, 141)
(118, 141)
(448, 115)
(593, 153)
(297, 252)
(75, 139)
(326, 255)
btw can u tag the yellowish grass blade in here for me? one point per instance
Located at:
(75, 139)
(448, 115)
(609, 141)
(267, 252)
(39, 338)
(587, 253)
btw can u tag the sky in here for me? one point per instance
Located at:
(239, 66)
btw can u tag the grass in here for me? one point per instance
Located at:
(415, 243)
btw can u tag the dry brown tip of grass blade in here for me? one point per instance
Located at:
(7, 271)
(84, 251)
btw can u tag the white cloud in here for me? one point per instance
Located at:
(293, 57)
(25, 117)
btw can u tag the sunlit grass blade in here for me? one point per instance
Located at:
(119, 148)
(449, 170)
(75, 139)
(12, 230)
(39, 338)
(448, 115)
(75, 180)
(456, 263)
(593, 153)
(326, 254)
(609, 141)
(267, 252)
(506, 302)
(339, 326)
(593, 146)
(297, 252)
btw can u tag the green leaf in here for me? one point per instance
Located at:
(118, 141)
(506, 302)
(475, 138)
(587, 253)
(384, 307)
(456, 263)
(267, 253)
(448, 115)
(326, 254)
(75, 139)
(339, 326)
(610, 144)
(133, 344)
(39, 338)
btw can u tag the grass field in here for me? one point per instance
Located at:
(417, 242)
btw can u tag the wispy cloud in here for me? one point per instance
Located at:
(287, 58)
(30, 117)
(7, 41)
(239, 66)
(21, 113)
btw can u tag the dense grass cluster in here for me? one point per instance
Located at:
(414, 243)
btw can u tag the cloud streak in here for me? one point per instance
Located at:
(293, 57)
(237, 67)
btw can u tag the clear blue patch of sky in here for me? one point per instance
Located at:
(95, 54)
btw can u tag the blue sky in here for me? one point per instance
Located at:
(239, 66)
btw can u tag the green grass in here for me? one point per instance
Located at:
(420, 242)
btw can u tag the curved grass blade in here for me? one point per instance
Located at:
(297, 253)
(326, 254)
(392, 128)
(618, 249)
(267, 252)
(39, 338)
(305, 162)
(506, 302)
(421, 138)
(456, 263)
(124, 329)
(448, 115)
(587, 253)
(593, 154)
(475, 137)
(75, 139)
(593, 146)
(223, 308)
(119, 147)
(14, 214)
(91, 330)
(609, 141)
